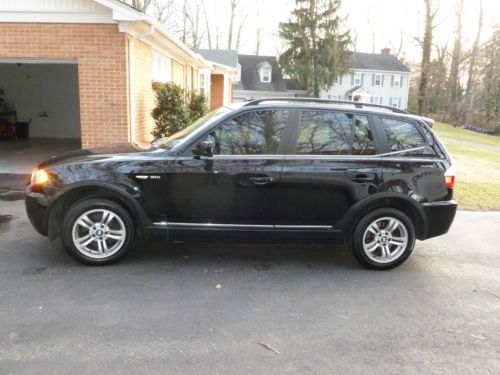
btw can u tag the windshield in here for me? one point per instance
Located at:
(168, 143)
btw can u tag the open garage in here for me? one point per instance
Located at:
(40, 112)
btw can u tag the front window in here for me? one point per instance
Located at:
(396, 81)
(201, 84)
(251, 133)
(170, 142)
(395, 101)
(376, 100)
(357, 79)
(333, 97)
(162, 68)
(377, 79)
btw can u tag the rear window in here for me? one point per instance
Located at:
(334, 133)
(401, 136)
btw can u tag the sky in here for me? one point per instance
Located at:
(389, 21)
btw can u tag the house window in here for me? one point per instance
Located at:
(396, 81)
(376, 100)
(357, 79)
(395, 101)
(202, 83)
(265, 75)
(333, 97)
(162, 67)
(337, 80)
(377, 79)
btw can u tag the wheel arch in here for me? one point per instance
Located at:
(385, 200)
(91, 190)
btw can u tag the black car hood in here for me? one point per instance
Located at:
(92, 154)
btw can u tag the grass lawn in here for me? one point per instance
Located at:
(476, 157)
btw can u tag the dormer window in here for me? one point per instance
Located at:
(265, 72)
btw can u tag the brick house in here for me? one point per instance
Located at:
(83, 69)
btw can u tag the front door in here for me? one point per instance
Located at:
(333, 165)
(229, 179)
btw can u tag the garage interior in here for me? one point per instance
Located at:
(39, 113)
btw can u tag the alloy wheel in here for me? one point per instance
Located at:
(385, 239)
(99, 233)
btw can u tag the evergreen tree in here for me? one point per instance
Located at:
(317, 48)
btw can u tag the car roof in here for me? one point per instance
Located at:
(323, 106)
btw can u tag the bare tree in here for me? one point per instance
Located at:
(240, 27)
(467, 105)
(233, 4)
(141, 5)
(207, 24)
(453, 87)
(163, 10)
(430, 14)
(396, 51)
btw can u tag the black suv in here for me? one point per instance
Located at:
(269, 170)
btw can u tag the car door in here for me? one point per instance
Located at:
(332, 164)
(229, 178)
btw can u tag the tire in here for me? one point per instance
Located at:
(97, 232)
(375, 246)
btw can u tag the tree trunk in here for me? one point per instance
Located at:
(453, 92)
(231, 23)
(426, 56)
(467, 105)
(207, 24)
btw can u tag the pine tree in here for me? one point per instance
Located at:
(317, 48)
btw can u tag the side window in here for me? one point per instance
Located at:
(362, 141)
(250, 133)
(324, 133)
(401, 135)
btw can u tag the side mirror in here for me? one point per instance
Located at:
(204, 148)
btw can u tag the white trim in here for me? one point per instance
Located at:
(56, 16)
(381, 71)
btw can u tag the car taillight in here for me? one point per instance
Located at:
(449, 177)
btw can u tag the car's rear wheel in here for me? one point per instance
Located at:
(383, 239)
(97, 232)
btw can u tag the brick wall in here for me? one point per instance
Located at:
(101, 52)
(144, 94)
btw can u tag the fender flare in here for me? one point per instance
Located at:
(381, 200)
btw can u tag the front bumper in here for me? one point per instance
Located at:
(36, 208)
(438, 217)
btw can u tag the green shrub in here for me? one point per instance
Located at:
(173, 111)
(197, 106)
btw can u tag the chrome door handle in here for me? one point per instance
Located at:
(262, 180)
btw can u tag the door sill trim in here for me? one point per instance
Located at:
(243, 226)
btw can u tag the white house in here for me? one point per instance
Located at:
(373, 78)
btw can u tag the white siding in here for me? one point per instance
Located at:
(386, 91)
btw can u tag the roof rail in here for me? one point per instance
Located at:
(323, 101)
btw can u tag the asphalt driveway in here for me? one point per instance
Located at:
(204, 308)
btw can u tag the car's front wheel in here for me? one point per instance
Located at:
(383, 239)
(97, 232)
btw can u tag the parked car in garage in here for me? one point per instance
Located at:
(292, 169)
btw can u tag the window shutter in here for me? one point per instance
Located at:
(373, 79)
(340, 80)
(399, 102)
(352, 79)
(401, 81)
(362, 78)
(382, 80)
(381, 100)
(392, 80)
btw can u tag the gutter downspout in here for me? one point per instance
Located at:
(131, 78)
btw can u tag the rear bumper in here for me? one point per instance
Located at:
(438, 217)
(36, 208)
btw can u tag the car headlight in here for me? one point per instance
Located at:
(39, 177)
